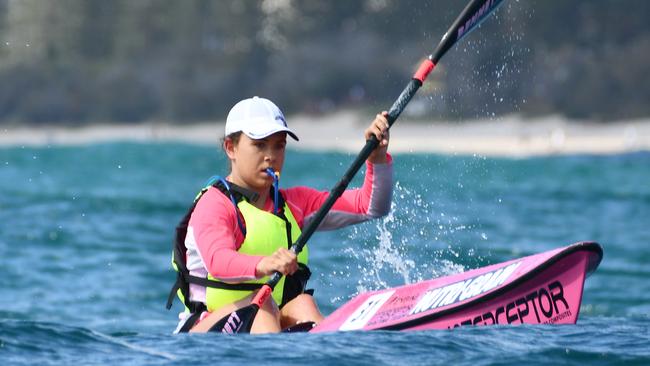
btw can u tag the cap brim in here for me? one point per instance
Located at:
(263, 134)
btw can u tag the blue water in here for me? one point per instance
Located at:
(85, 243)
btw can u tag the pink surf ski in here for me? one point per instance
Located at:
(545, 288)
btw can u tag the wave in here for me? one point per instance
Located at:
(44, 343)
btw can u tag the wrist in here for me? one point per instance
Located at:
(260, 270)
(378, 158)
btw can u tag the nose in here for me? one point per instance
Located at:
(270, 155)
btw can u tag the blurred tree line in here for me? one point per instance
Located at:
(86, 61)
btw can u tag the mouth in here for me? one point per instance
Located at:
(266, 172)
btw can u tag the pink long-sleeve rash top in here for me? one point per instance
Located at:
(213, 235)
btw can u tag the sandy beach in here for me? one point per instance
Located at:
(507, 136)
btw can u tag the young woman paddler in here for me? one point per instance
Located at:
(238, 231)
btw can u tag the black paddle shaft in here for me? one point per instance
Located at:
(473, 14)
(339, 188)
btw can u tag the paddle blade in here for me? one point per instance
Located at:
(299, 328)
(239, 321)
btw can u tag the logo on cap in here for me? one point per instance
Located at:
(281, 118)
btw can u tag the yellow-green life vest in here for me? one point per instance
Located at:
(265, 233)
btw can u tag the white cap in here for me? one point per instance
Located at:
(257, 118)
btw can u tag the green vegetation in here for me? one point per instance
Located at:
(82, 61)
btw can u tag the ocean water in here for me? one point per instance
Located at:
(85, 247)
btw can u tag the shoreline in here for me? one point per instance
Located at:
(509, 136)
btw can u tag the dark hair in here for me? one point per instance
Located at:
(234, 137)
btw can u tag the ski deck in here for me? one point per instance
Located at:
(544, 288)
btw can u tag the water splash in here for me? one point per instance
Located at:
(385, 257)
(409, 245)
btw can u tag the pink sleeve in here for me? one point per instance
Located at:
(218, 237)
(372, 200)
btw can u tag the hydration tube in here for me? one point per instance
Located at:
(276, 180)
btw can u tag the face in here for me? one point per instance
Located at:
(250, 158)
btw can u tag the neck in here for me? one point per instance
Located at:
(264, 195)
(262, 192)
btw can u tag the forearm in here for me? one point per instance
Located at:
(372, 200)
